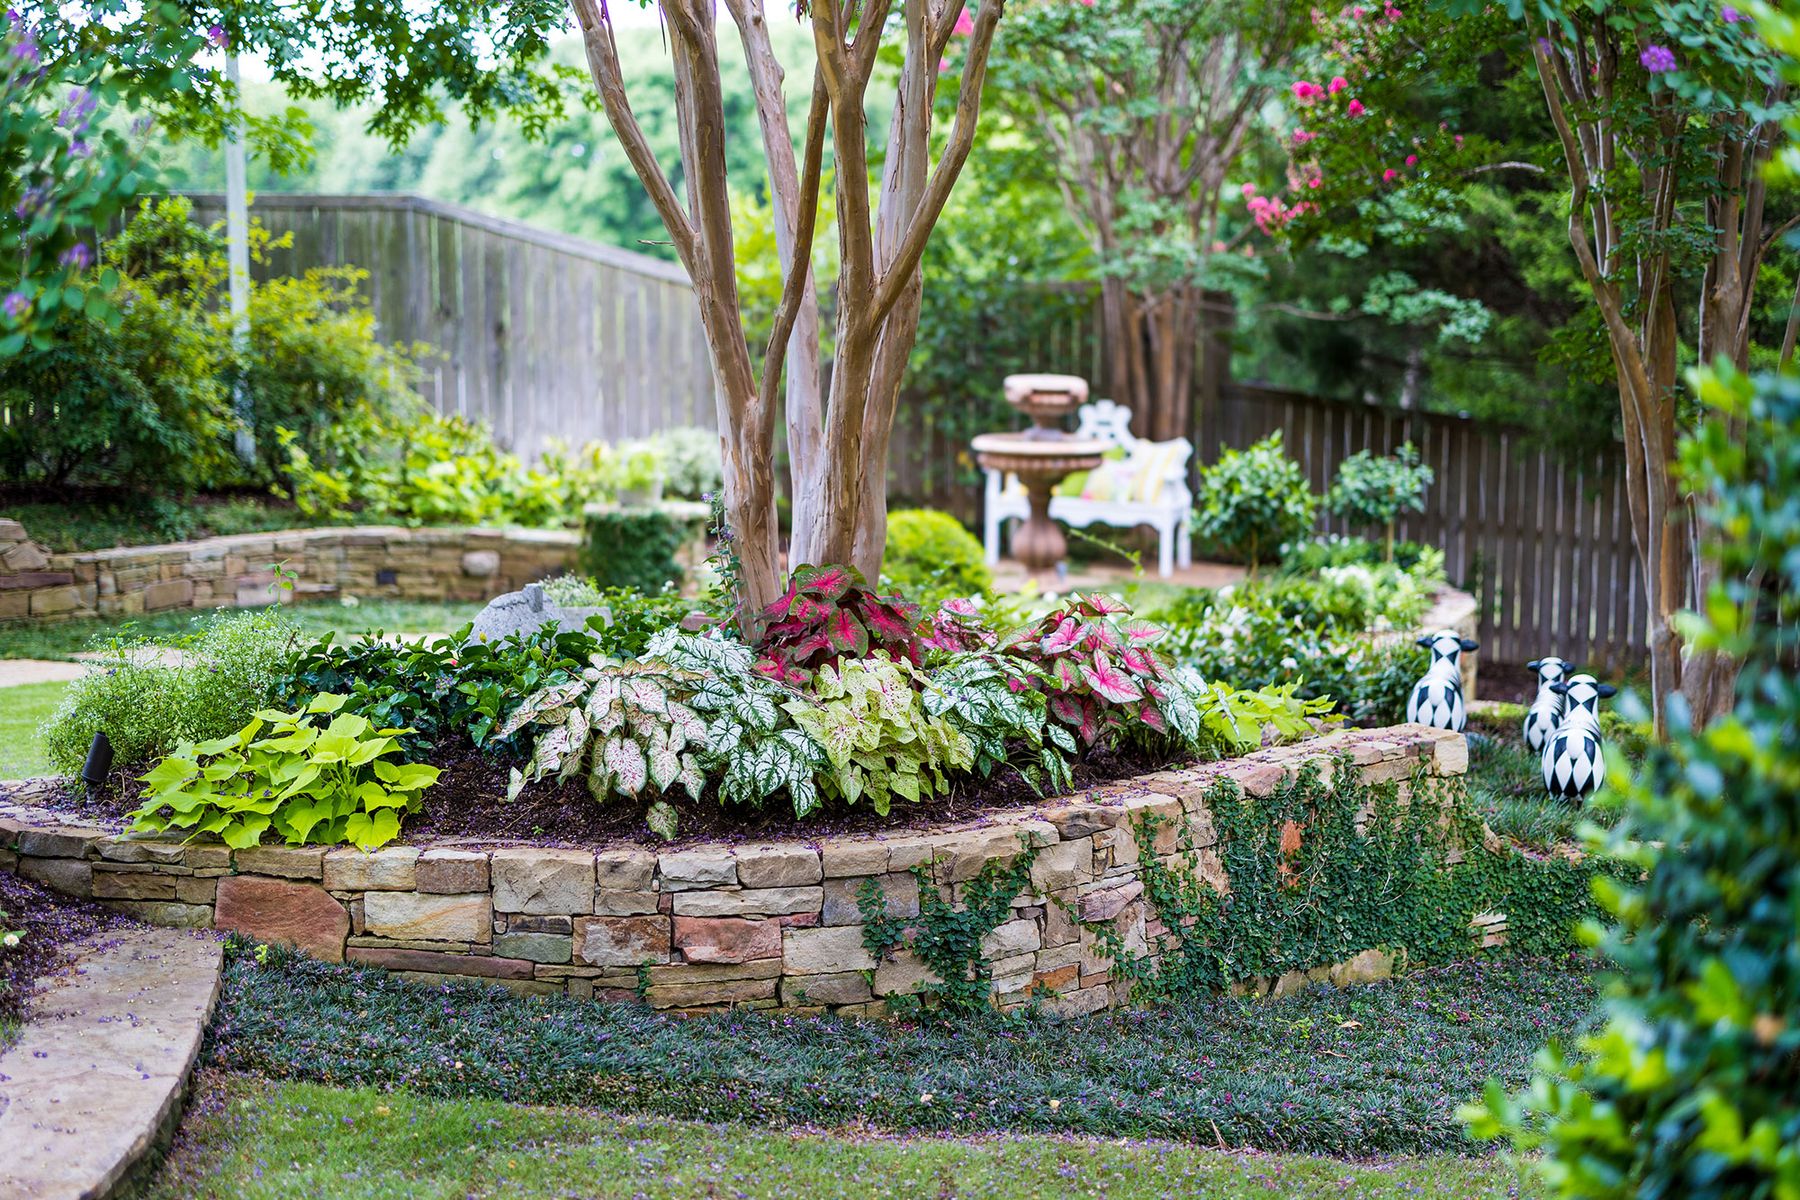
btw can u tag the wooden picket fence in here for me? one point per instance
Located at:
(540, 335)
(546, 336)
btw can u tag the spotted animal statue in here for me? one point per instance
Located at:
(1575, 754)
(1546, 710)
(1437, 698)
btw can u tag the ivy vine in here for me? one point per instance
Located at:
(1319, 873)
(947, 937)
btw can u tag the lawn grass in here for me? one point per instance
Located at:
(252, 1139)
(22, 710)
(1366, 1070)
(65, 639)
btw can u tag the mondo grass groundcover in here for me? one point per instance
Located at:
(1371, 1070)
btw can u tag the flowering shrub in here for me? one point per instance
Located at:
(827, 614)
(309, 784)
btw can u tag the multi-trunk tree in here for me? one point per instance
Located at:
(1145, 105)
(837, 442)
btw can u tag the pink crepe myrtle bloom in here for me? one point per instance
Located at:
(1303, 136)
(1657, 59)
(1412, 160)
(1338, 83)
(1358, 13)
(965, 24)
(1391, 12)
(1306, 91)
(1459, 139)
(1355, 108)
(1314, 182)
(1389, 175)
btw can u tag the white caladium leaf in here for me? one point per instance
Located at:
(550, 752)
(665, 763)
(692, 777)
(602, 704)
(662, 819)
(646, 694)
(688, 723)
(624, 758)
(515, 784)
(579, 729)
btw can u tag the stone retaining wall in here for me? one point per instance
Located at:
(373, 561)
(698, 927)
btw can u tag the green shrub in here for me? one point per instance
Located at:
(1692, 1087)
(632, 548)
(633, 618)
(432, 689)
(1373, 491)
(231, 667)
(282, 771)
(1251, 502)
(118, 402)
(931, 557)
(1309, 556)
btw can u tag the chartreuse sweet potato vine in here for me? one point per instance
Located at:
(284, 772)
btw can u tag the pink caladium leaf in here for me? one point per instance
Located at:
(826, 583)
(1140, 632)
(1139, 661)
(960, 606)
(807, 609)
(1152, 716)
(1066, 709)
(1155, 691)
(887, 622)
(1090, 722)
(1101, 604)
(844, 634)
(1065, 637)
(1099, 636)
(1015, 640)
(1109, 682)
(1067, 674)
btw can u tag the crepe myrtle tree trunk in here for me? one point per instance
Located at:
(1626, 203)
(837, 445)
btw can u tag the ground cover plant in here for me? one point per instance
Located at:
(248, 1139)
(1366, 1070)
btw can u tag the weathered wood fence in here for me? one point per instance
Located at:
(540, 335)
(546, 336)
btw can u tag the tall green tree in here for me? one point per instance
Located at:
(1144, 106)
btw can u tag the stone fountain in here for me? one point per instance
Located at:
(1042, 456)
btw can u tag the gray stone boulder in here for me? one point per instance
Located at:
(527, 611)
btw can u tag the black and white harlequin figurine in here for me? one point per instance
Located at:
(1437, 698)
(1546, 710)
(1574, 756)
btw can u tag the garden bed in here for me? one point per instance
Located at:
(802, 923)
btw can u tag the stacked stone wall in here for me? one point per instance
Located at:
(701, 927)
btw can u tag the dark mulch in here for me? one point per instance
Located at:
(51, 923)
(469, 801)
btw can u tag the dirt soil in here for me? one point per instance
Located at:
(468, 804)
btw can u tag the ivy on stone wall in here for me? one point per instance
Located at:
(1319, 872)
(946, 936)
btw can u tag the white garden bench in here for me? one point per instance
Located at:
(1158, 492)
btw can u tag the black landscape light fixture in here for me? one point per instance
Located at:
(99, 761)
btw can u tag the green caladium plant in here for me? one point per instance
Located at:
(996, 703)
(879, 741)
(287, 773)
(624, 723)
(829, 614)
